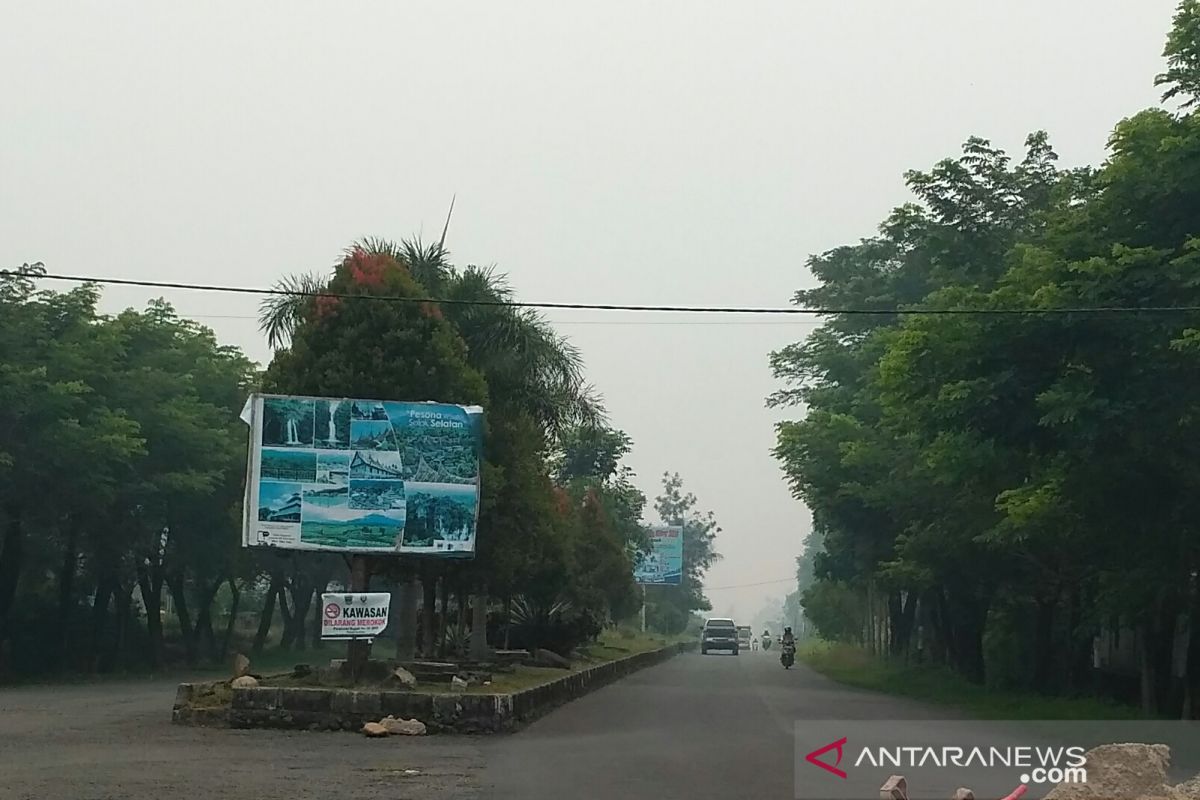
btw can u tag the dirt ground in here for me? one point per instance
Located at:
(115, 741)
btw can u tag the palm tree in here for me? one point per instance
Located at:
(280, 313)
(527, 364)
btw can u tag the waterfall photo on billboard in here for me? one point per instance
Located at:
(360, 475)
(332, 425)
(288, 422)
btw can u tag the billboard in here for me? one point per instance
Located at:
(664, 563)
(362, 476)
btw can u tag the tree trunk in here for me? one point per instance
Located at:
(66, 588)
(406, 619)
(868, 628)
(267, 616)
(301, 601)
(1146, 664)
(428, 612)
(204, 629)
(175, 584)
(902, 607)
(443, 618)
(285, 613)
(235, 593)
(460, 624)
(1043, 642)
(479, 606)
(1163, 654)
(104, 590)
(315, 633)
(12, 559)
(319, 588)
(947, 646)
(1079, 668)
(122, 602)
(151, 588)
(507, 619)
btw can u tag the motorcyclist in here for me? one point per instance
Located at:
(787, 644)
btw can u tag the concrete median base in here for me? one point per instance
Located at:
(329, 709)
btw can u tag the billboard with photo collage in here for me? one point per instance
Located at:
(362, 476)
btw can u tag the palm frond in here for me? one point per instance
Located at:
(279, 314)
(526, 361)
(526, 611)
(375, 245)
(428, 263)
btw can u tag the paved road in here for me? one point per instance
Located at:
(695, 726)
(115, 741)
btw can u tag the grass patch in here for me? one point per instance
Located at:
(611, 645)
(856, 667)
(213, 695)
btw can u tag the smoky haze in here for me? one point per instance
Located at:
(666, 153)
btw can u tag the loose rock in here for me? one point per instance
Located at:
(241, 665)
(963, 793)
(403, 678)
(1127, 771)
(403, 727)
(374, 730)
(244, 682)
(457, 684)
(551, 658)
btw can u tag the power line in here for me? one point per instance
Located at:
(755, 310)
(572, 322)
(747, 585)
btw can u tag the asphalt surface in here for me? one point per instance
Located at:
(115, 741)
(695, 727)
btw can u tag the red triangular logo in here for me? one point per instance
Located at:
(815, 757)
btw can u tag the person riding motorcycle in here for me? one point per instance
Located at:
(766, 639)
(787, 644)
(787, 637)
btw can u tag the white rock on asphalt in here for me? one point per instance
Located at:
(374, 730)
(403, 727)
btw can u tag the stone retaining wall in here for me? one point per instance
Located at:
(347, 709)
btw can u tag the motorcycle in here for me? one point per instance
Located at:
(766, 642)
(788, 656)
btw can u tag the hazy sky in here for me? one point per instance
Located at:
(627, 152)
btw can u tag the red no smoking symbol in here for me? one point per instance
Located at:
(333, 611)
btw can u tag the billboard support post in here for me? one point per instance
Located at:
(643, 608)
(358, 650)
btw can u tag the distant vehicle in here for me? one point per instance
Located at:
(719, 633)
(744, 636)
